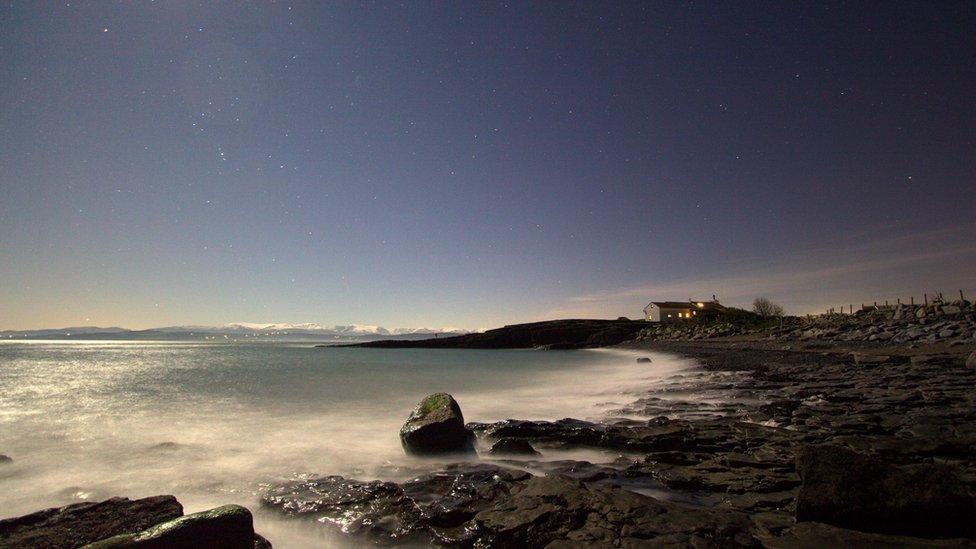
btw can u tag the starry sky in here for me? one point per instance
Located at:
(474, 164)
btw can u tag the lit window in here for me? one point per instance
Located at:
(669, 315)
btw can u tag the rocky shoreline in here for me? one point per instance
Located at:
(817, 444)
(118, 523)
(774, 441)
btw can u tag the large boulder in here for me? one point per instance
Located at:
(436, 426)
(856, 491)
(226, 527)
(83, 523)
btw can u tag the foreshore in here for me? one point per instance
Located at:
(783, 436)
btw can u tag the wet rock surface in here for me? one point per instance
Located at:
(491, 506)
(434, 507)
(156, 521)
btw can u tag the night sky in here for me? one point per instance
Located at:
(473, 164)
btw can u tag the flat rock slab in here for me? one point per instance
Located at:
(79, 524)
(482, 505)
(430, 508)
(815, 535)
(558, 511)
(853, 490)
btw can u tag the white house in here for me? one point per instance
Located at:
(676, 311)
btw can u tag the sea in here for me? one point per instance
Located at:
(217, 423)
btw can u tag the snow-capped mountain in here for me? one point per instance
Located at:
(339, 331)
(239, 330)
(273, 326)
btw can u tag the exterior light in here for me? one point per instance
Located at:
(700, 304)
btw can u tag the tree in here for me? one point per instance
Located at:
(765, 308)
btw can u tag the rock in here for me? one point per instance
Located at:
(512, 447)
(168, 446)
(866, 358)
(946, 333)
(562, 346)
(970, 360)
(766, 474)
(643, 359)
(484, 506)
(449, 499)
(436, 426)
(815, 535)
(568, 432)
(376, 510)
(579, 470)
(951, 310)
(4, 459)
(83, 523)
(432, 508)
(227, 527)
(918, 360)
(557, 511)
(852, 490)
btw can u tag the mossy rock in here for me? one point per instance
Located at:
(226, 527)
(436, 426)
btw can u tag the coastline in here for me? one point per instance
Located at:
(736, 451)
(811, 442)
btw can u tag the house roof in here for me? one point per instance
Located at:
(706, 304)
(672, 304)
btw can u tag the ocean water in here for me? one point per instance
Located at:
(216, 423)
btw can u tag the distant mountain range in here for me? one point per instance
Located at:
(236, 331)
